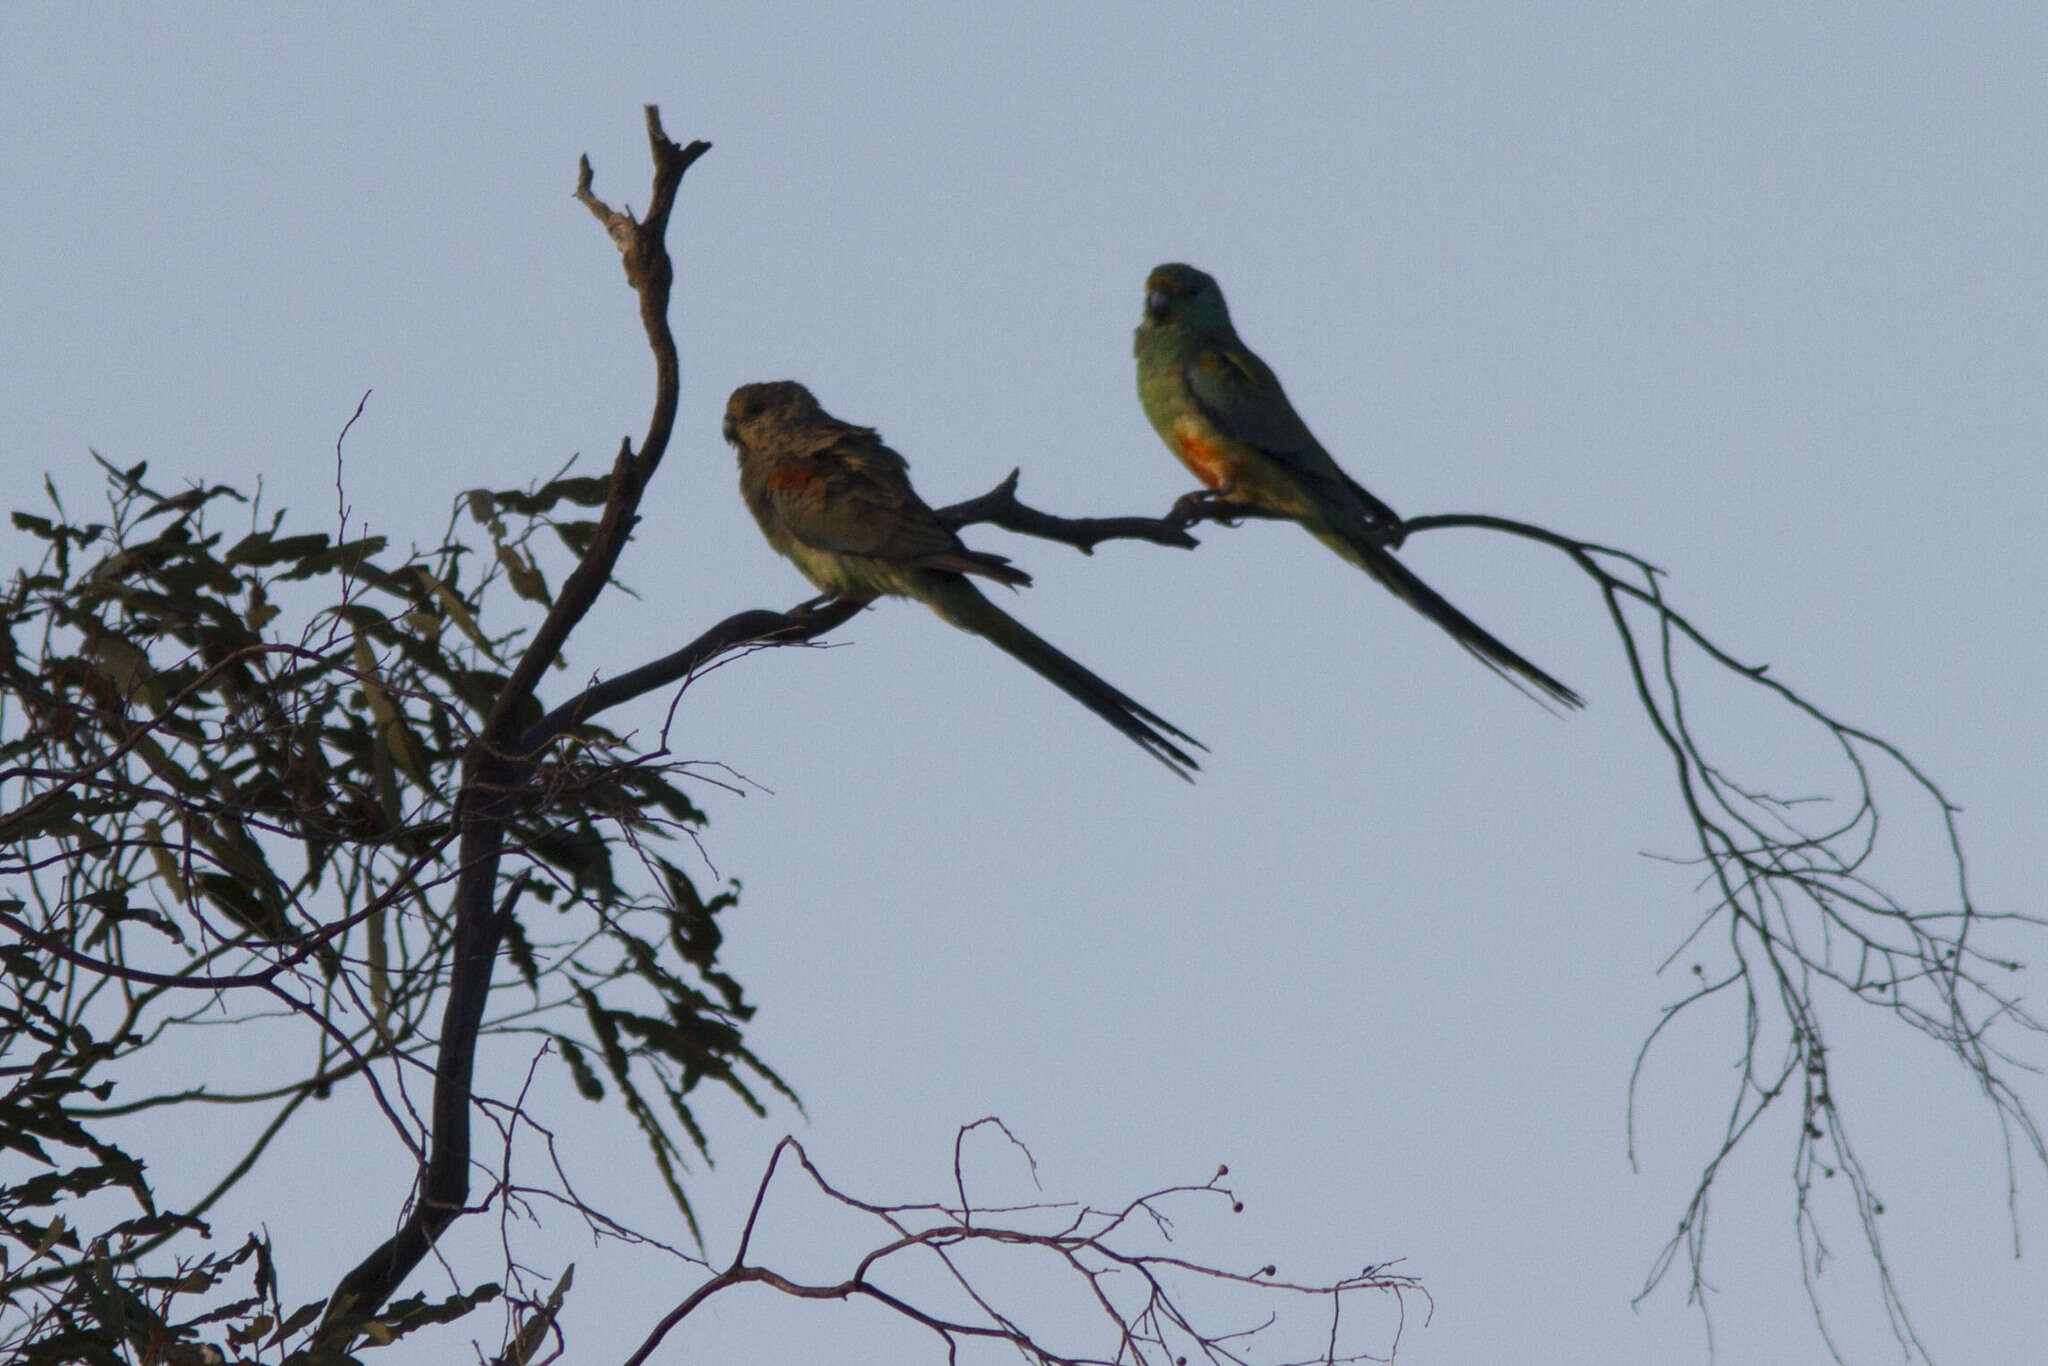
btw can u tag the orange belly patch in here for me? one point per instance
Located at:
(1209, 461)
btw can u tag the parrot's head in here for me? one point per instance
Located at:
(755, 408)
(1178, 295)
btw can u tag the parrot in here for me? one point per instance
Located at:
(838, 503)
(1219, 408)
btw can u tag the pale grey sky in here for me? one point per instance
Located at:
(1759, 295)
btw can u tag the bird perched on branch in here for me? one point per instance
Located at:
(1219, 409)
(837, 502)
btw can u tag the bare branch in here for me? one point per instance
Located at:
(999, 507)
(804, 622)
(1142, 1298)
(1803, 924)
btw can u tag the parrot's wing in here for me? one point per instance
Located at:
(855, 498)
(1242, 397)
(1236, 392)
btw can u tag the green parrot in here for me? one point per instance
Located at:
(1219, 409)
(837, 502)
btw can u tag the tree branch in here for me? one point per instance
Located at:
(497, 768)
(1000, 506)
(1800, 912)
(1138, 1295)
(804, 622)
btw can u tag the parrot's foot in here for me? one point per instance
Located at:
(1389, 534)
(1201, 505)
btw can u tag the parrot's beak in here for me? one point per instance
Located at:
(731, 430)
(1156, 301)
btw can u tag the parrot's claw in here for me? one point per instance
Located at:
(1390, 534)
(1195, 506)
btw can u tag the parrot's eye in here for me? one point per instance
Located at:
(1157, 300)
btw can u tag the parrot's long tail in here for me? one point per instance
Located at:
(962, 604)
(1362, 549)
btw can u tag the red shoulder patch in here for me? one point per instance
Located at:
(793, 478)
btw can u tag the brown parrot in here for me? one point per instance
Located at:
(837, 502)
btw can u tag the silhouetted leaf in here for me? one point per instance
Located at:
(260, 548)
(581, 490)
(523, 575)
(587, 1083)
